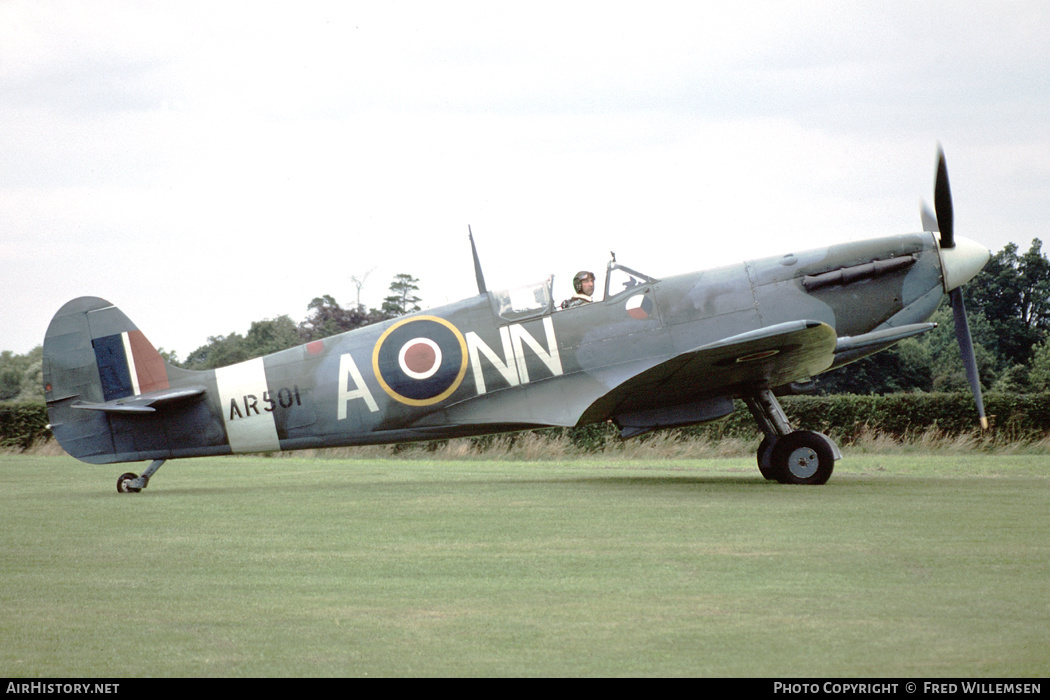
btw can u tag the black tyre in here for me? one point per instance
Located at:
(124, 483)
(765, 458)
(803, 457)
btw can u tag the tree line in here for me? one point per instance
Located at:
(326, 317)
(1008, 304)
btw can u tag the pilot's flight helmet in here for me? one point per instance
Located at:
(577, 281)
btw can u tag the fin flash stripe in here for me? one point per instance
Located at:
(128, 365)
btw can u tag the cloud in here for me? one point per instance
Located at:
(205, 165)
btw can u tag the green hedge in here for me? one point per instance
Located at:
(22, 424)
(1013, 417)
(846, 417)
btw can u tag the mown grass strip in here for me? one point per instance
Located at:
(903, 565)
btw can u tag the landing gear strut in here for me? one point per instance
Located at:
(786, 455)
(130, 483)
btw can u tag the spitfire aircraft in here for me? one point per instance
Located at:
(650, 353)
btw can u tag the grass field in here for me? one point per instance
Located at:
(902, 565)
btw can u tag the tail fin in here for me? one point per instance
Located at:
(94, 356)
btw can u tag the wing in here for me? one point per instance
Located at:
(692, 387)
(763, 358)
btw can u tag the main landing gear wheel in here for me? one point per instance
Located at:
(803, 457)
(124, 483)
(786, 455)
(765, 458)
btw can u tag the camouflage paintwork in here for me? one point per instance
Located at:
(657, 353)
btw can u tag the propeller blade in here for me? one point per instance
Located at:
(942, 203)
(929, 221)
(962, 334)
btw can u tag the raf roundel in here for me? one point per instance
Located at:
(420, 361)
(420, 358)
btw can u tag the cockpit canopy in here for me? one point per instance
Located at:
(620, 279)
(538, 299)
(524, 302)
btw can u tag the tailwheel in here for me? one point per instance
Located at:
(124, 483)
(130, 483)
(803, 457)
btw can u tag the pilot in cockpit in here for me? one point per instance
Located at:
(583, 284)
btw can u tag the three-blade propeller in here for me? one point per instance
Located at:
(944, 224)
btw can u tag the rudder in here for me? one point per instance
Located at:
(93, 354)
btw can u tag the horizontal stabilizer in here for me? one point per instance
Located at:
(143, 403)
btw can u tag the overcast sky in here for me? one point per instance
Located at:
(207, 164)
